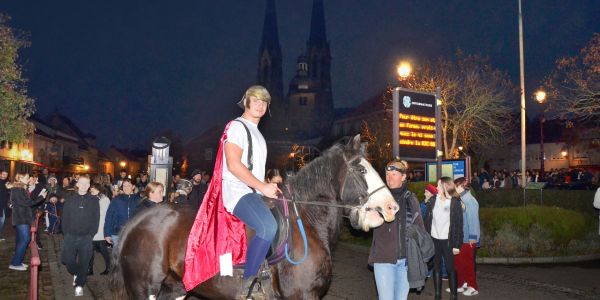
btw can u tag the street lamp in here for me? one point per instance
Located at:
(404, 69)
(540, 97)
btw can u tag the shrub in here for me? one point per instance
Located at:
(537, 230)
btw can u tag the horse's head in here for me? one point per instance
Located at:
(364, 187)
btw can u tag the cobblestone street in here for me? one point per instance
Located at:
(352, 278)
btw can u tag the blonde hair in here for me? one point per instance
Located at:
(151, 187)
(401, 165)
(257, 91)
(20, 176)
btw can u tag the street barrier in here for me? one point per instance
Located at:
(35, 260)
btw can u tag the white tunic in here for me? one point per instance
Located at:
(440, 225)
(233, 188)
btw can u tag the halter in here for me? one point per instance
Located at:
(362, 200)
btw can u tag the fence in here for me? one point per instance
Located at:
(35, 260)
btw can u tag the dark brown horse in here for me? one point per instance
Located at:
(149, 260)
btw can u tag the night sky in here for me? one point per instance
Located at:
(127, 70)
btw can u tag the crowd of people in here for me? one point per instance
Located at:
(88, 211)
(443, 230)
(559, 178)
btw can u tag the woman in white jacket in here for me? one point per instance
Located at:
(100, 244)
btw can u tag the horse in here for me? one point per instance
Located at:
(148, 262)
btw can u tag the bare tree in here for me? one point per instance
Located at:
(575, 83)
(476, 109)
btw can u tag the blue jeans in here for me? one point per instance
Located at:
(392, 280)
(2, 219)
(115, 240)
(251, 209)
(21, 242)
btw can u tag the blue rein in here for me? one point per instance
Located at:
(302, 233)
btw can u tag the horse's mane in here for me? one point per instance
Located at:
(318, 181)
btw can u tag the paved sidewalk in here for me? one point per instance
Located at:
(15, 284)
(97, 286)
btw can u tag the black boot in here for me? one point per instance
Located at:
(437, 284)
(452, 281)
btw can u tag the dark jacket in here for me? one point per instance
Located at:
(420, 250)
(22, 204)
(80, 215)
(455, 235)
(145, 204)
(197, 195)
(390, 240)
(120, 210)
(4, 196)
(181, 199)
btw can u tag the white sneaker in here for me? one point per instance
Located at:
(74, 278)
(470, 292)
(24, 265)
(460, 289)
(17, 268)
(78, 291)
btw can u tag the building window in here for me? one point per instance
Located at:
(303, 66)
(302, 101)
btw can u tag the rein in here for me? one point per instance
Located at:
(299, 219)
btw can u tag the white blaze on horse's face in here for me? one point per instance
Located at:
(380, 202)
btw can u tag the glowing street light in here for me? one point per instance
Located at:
(540, 97)
(404, 69)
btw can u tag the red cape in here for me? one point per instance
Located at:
(214, 233)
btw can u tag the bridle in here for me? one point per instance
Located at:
(363, 199)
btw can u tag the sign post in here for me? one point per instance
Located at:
(161, 164)
(416, 126)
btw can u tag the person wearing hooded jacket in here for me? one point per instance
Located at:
(122, 208)
(444, 221)
(388, 253)
(465, 261)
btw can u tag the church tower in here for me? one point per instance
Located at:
(270, 74)
(310, 100)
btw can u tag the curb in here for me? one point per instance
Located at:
(536, 260)
(504, 260)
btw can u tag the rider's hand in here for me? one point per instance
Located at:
(455, 251)
(270, 190)
(108, 240)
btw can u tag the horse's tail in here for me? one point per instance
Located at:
(117, 281)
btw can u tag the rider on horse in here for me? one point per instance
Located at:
(243, 158)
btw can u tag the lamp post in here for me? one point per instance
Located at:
(540, 97)
(404, 69)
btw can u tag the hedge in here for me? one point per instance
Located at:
(578, 200)
(536, 231)
(566, 224)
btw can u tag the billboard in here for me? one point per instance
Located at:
(450, 168)
(415, 125)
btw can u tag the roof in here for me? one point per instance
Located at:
(372, 105)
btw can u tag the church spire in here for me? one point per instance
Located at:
(270, 35)
(270, 74)
(318, 34)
